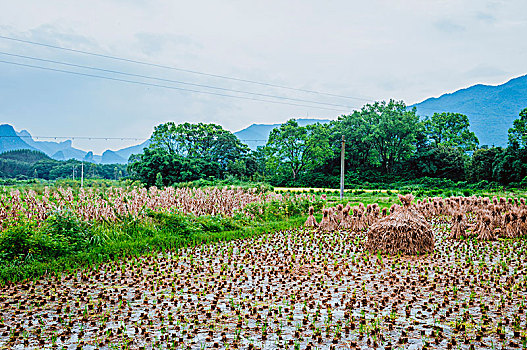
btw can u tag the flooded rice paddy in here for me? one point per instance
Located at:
(297, 289)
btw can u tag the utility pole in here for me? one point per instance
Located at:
(73, 172)
(342, 168)
(82, 174)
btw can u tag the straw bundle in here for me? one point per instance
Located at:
(333, 217)
(311, 221)
(403, 231)
(326, 224)
(359, 220)
(458, 226)
(484, 231)
(522, 223)
(339, 213)
(346, 222)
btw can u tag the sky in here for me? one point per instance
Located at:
(346, 53)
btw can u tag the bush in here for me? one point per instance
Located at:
(65, 227)
(173, 223)
(15, 242)
(60, 234)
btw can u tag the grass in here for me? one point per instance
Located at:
(128, 239)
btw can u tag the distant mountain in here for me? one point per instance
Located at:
(490, 109)
(260, 132)
(48, 147)
(125, 153)
(9, 140)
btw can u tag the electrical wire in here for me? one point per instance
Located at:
(179, 69)
(199, 73)
(93, 138)
(170, 80)
(164, 86)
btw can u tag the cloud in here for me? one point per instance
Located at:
(449, 26)
(485, 17)
(155, 43)
(485, 71)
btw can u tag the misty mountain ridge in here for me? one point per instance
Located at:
(11, 140)
(491, 109)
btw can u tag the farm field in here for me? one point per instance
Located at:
(295, 288)
(298, 288)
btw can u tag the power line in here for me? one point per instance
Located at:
(200, 73)
(74, 137)
(165, 86)
(93, 138)
(170, 80)
(180, 69)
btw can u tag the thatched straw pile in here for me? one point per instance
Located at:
(346, 223)
(484, 231)
(326, 224)
(458, 226)
(311, 221)
(404, 231)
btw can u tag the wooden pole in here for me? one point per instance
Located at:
(342, 168)
(82, 174)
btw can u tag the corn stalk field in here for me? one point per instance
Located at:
(440, 273)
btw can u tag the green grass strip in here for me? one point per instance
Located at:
(114, 250)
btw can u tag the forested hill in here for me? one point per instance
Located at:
(490, 109)
(260, 132)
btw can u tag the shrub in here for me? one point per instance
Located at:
(14, 242)
(65, 227)
(173, 223)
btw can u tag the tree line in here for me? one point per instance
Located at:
(385, 142)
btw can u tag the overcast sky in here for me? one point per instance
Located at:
(366, 50)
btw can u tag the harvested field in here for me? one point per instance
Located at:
(297, 289)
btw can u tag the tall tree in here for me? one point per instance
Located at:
(390, 129)
(207, 141)
(518, 132)
(296, 147)
(451, 130)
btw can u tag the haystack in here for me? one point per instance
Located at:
(339, 214)
(484, 231)
(346, 222)
(311, 221)
(404, 231)
(459, 226)
(326, 224)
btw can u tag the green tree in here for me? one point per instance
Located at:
(483, 164)
(159, 180)
(437, 162)
(145, 167)
(296, 147)
(390, 129)
(518, 132)
(207, 141)
(451, 130)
